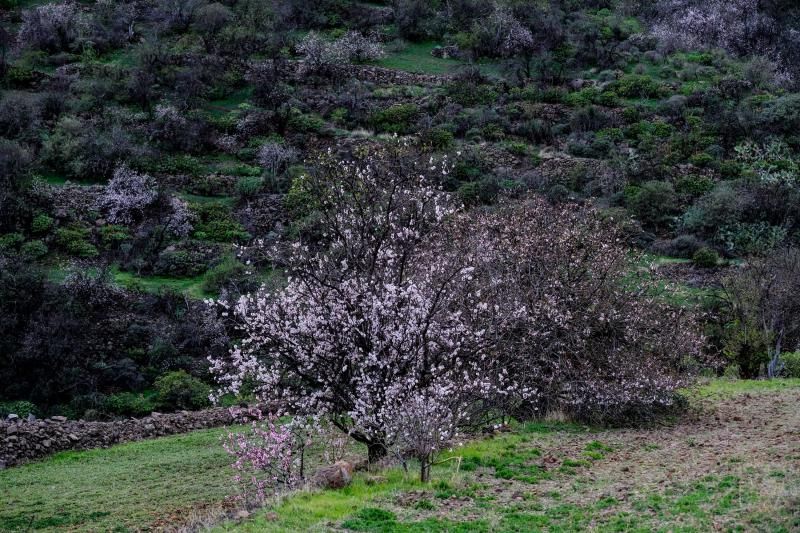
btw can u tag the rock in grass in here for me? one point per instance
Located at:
(336, 476)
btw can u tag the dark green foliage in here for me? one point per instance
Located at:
(397, 118)
(639, 86)
(791, 364)
(214, 222)
(438, 139)
(34, 249)
(655, 203)
(75, 240)
(20, 408)
(228, 270)
(179, 390)
(129, 404)
(249, 186)
(705, 258)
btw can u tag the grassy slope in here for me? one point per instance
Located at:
(125, 487)
(542, 476)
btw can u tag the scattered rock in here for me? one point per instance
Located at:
(58, 418)
(336, 476)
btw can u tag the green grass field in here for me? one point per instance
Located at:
(538, 477)
(123, 488)
(417, 58)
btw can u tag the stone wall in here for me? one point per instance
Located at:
(22, 440)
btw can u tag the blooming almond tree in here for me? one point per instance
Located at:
(569, 325)
(369, 321)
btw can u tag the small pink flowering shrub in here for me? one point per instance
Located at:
(267, 458)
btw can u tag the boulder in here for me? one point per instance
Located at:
(336, 476)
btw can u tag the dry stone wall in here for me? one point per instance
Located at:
(22, 439)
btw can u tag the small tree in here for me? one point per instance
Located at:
(209, 22)
(127, 196)
(763, 311)
(51, 27)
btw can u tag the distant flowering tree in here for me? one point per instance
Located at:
(358, 48)
(742, 27)
(325, 57)
(502, 35)
(127, 196)
(369, 320)
(51, 27)
(130, 196)
(275, 157)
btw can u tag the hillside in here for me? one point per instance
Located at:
(394, 237)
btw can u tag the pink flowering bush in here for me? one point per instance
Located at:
(268, 458)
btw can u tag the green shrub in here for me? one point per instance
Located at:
(791, 364)
(41, 223)
(752, 239)
(179, 390)
(21, 408)
(694, 185)
(705, 258)
(34, 249)
(11, 241)
(639, 86)
(438, 139)
(75, 241)
(249, 186)
(214, 222)
(309, 123)
(112, 235)
(217, 277)
(654, 203)
(397, 118)
(128, 404)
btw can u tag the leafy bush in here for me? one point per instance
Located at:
(639, 86)
(20, 408)
(654, 203)
(11, 241)
(438, 139)
(225, 272)
(705, 258)
(113, 234)
(397, 118)
(215, 223)
(249, 186)
(791, 364)
(75, 241)
(179, 390)
(128, 404)
(41, 223)
(34, 249)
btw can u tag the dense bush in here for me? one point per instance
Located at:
(179, 390)
(791, 364)
(128, 404)
(705, 258)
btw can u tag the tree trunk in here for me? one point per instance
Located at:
(425, 470)
(375, 452)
